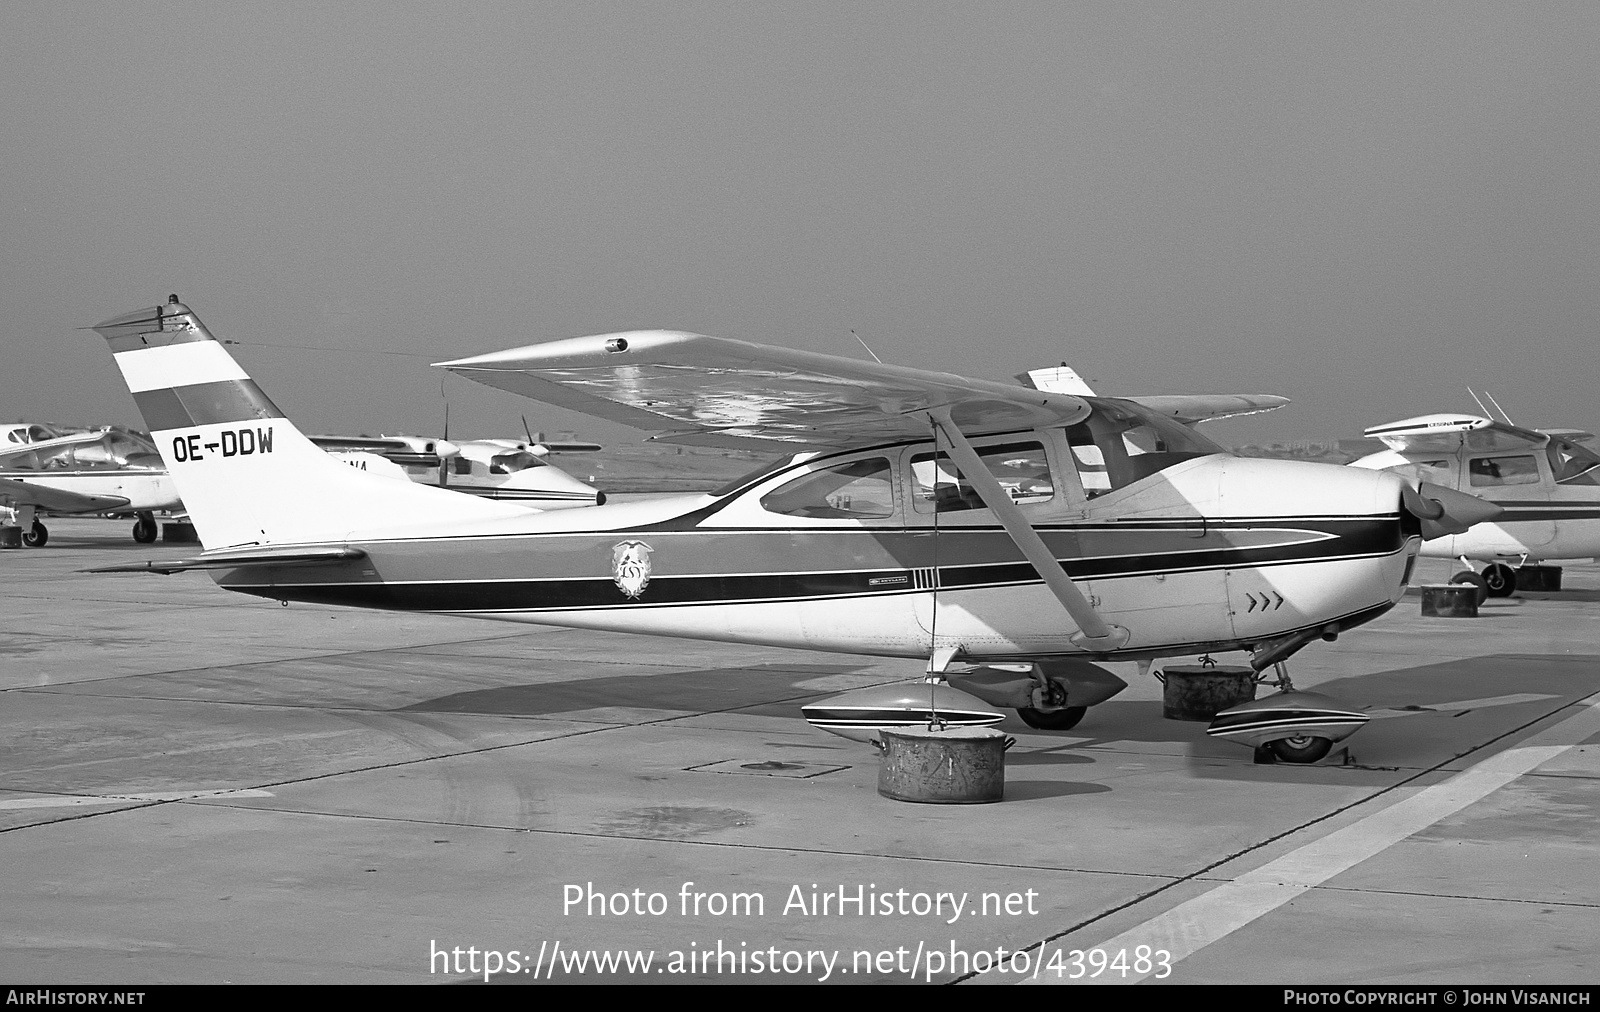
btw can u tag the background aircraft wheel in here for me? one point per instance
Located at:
(36, 535)
(144, 529)
(1500, 580)
(1476, 580)
(1052, 720)
(1304, 749)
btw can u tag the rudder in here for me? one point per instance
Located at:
(245, 473)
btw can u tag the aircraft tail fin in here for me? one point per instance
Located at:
(1059, 379)
(246, 474)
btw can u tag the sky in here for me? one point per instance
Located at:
(1366, 208)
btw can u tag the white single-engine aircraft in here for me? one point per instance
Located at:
(1124, 536)
(1546, 482)
(107, 471)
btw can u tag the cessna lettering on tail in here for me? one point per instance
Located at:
(230, 443)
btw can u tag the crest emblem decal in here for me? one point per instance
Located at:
(630, 567)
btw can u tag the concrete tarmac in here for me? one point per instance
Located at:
(203, 787)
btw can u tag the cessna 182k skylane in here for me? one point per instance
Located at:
(915, 514)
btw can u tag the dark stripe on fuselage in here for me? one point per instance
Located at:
(1516, 512)
(1350, 539)
(204, 404)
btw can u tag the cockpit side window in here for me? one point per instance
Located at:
(511, 463)
(1021, 469)
(1573, 464)
(1489, 472)
(858, 489)
(1121, 443)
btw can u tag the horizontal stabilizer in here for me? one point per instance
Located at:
(328, 556)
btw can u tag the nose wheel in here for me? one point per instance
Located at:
(144, 529)
(36, 536)
(1500, 580)
(1303, 748)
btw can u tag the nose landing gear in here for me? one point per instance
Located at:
(144, 529)
(1291, 726)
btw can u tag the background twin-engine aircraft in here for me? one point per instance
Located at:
(506, 469)
(1008, 536)
(1545, 480)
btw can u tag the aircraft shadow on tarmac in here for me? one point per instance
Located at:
(764, 689)
(1422, 715)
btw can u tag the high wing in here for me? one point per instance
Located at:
(1193, 408)
(402, 450)
(568, 446)
(1575, 435)
(1190, 409)
(14, 494)
(717, 391)
(1447, 433)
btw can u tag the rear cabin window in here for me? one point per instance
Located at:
(1488, 472)
(1020, 468)
(859, 489)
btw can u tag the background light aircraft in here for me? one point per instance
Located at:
(845, 543)
(506, 469)
(108, 471)
(1547, 483)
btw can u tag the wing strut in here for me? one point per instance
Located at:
(1095, 633)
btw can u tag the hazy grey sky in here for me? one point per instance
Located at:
(1363, 207)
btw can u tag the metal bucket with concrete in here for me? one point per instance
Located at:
(1200, 692)
(948, 766)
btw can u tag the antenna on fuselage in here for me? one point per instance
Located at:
(1502, 411)
(874, 354)
(1481, 406)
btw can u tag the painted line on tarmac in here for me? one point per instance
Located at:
(81, 800)
(1461, 705)
(1194, 924)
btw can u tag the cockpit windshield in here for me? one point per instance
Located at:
(511, 463)
(1122, 442)
(1573, 464)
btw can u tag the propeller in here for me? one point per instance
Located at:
(1445, 511)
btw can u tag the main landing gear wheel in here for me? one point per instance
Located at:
(144, 529)
(1064, 719)
(35, 536)
(1500, 579)
(1302, 749)
(1476, 581)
